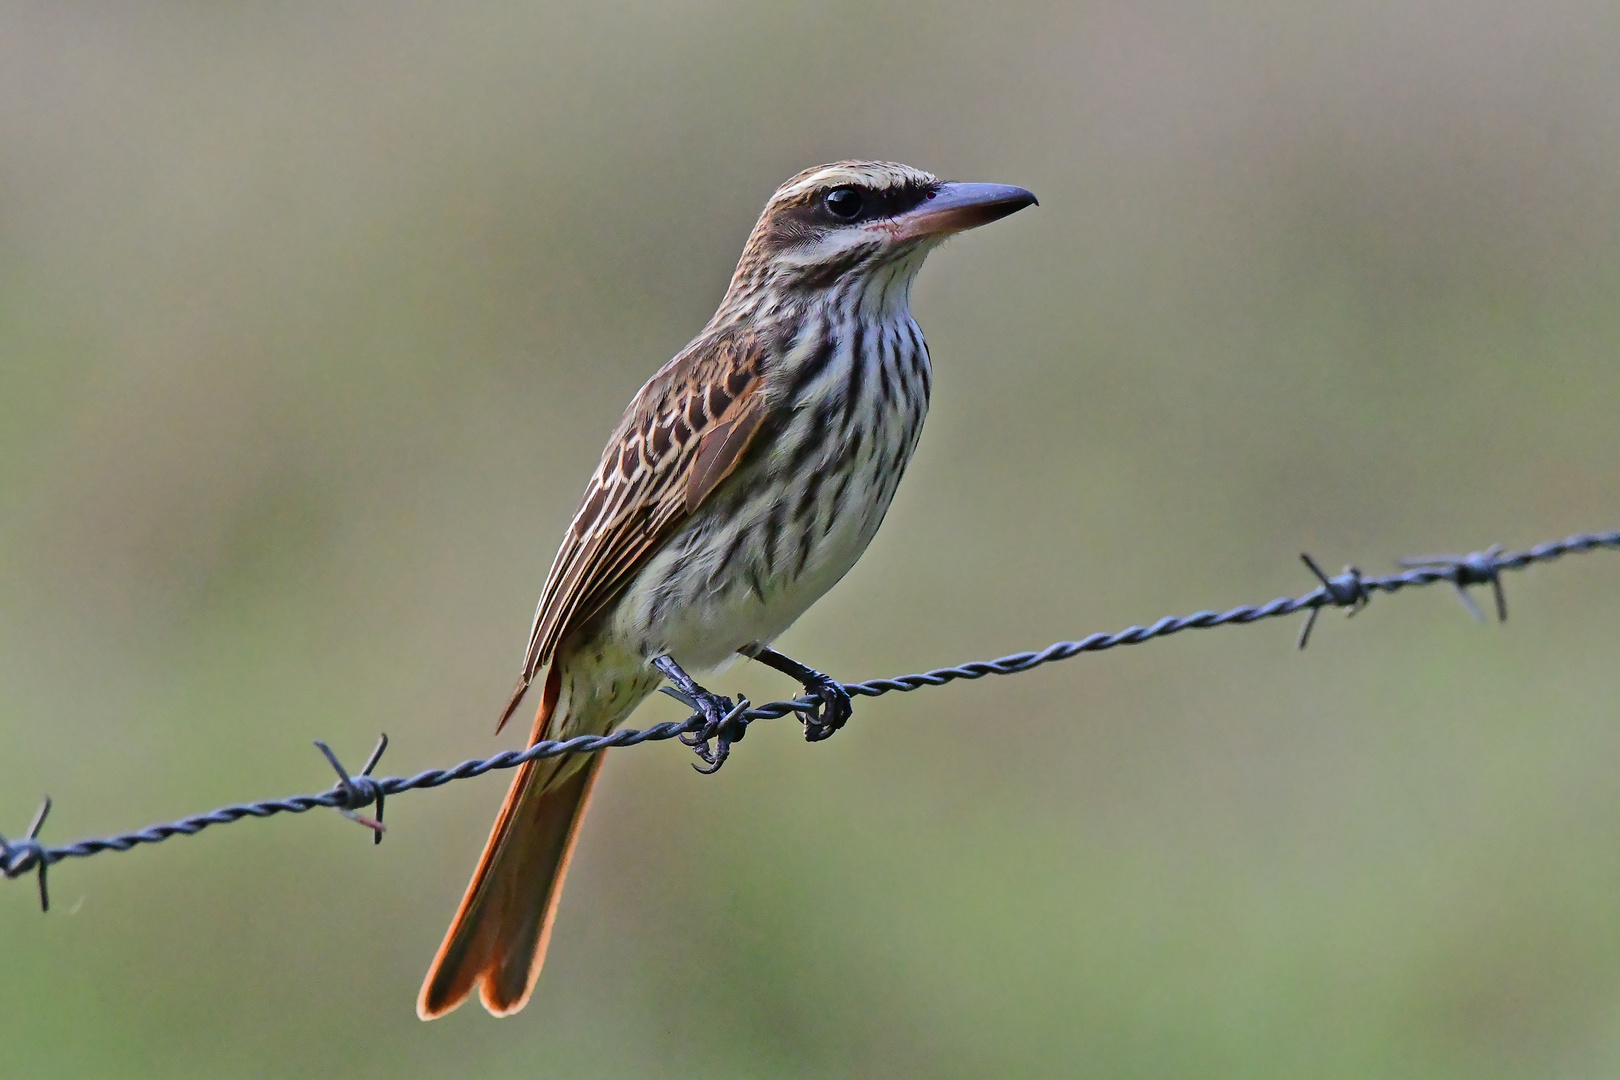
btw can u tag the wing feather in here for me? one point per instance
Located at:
(682, 435)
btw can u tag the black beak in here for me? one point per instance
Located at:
(956, 208)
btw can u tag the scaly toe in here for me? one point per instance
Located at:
(832, 711)
(721, 726)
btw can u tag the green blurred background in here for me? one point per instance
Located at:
(313, 319)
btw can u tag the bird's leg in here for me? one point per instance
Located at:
(719, 716)
(833, 706)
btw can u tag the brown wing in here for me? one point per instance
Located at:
(682, 435)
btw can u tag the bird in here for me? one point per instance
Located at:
(744, 480)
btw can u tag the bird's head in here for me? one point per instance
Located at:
(860, 224)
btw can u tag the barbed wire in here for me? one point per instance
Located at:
(1350, 590)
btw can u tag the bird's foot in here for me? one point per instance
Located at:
(831, 711)
(832, 708)
(723, 723)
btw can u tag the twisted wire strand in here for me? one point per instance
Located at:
(1349, 590)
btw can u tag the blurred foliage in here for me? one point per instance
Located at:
(313, 319)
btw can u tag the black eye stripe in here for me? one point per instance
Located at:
(850, 204)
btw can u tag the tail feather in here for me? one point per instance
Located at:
(498, 939)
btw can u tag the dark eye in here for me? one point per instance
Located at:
(844, 203)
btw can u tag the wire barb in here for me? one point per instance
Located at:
(681, 696)
(1476, 568)
(353, 792)
(1349, 590)
(17, 857)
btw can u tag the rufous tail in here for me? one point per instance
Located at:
(498, 939)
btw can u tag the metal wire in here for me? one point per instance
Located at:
(1350, 590)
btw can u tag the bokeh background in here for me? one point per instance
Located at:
(313, 319)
